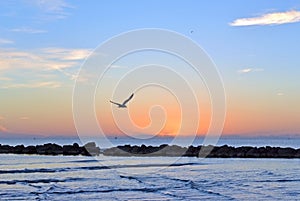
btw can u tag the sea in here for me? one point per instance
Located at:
(32, 177)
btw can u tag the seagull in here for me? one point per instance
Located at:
(123, 105)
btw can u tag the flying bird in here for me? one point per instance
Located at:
(123, 105)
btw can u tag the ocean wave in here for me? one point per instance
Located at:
(82, 191)
(278, 180)
(45, 181)
(40, 170)
(82, 161)
(131, 178)
(52, 170)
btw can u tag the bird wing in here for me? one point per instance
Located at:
(128, 99)
(118, 104)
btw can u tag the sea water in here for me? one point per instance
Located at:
(24, 177)
(32, 177)
(278, 141)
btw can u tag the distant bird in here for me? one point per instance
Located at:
(192, 31)
(123, 105)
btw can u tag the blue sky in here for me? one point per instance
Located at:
(43, 43)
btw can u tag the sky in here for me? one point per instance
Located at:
(254, 44)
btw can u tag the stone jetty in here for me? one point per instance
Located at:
(204, 151)
(89, 149)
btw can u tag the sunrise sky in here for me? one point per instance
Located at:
(254, 44)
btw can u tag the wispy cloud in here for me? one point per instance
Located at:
(50, 85)
(55, 6)
(5, 41)
(24, 118)
(67, 54)
(117, 66)
(28, 30)
(280, 94)
(3, 129)
(5, 79)
(66, 58)
(54, 9)
(47, 65)
(274, 18)
(250, 70)
(43, 59)
(37, 11)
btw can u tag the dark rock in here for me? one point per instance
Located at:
(192, 151)
(152, 150)
(207, 151)
(30, 150)
(18, 149)
(91, 149)
(134, 150)
(90, 145)
(144, 150)
(49, 149)
(241, 151)
(271, 152)
(286, 152)
(253, 153)
(114, 151)
(225, 152)
(297, 154)
(163, 146)
(6, 149)
(118, 151)
(174, 150)
(125, 148)
(76, 145)
(204, 151)
(71, 150)
(262, 152)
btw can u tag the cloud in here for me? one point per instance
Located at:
(3, 129)
(280, 94)
(39, 11)
(53, 9)
(66, 58)
(5, 79)
(117, 66)
(50, 85)
(24, 118)
(274, 18)
(250, 70)
(42, 59)
(40, 67)
(5, 41)
(55, 6)
(67, 54)
(28, 30)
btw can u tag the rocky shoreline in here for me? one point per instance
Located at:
(90, 149)
(224, 151)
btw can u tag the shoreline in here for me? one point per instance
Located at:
(90, 149)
